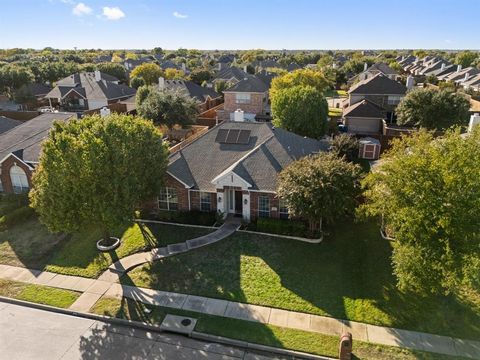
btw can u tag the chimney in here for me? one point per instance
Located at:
(459, 68)
(410, 82)
(184, 67)
(474, 120)
(466, 77)
(98, 75)
(238, 115)
(365, 67)
(104, 111)
(245, 68)
(443, 67)
(209, 85)
(161, 83)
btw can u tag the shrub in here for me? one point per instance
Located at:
(16, 216)
(194, 217)
(345, 145)
(282, 227)
(10, 202)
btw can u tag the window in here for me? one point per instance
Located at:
(263, 206)
(369, 151)
(1, 186)
(394, 100)
(283, 209)
(168, 199)
(19, 179)
(242, 98)
(205, 201)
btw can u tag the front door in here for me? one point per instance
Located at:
(238, 202)
(230, 201)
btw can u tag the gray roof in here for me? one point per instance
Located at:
(383, 68)
(378, 85)
(231, 73)
(36, 89)
(7, 124)
(364, 109)
(85, 84)
(249, 84)
(192, 89)
(268, 151)
(25, 140)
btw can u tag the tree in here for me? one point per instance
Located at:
(157, 51)
(97, 171)
(13, 77)
(142, 94)
(174, 74)
(466, 58)
(114, 69)
(137, 82)
(149, 72)
(221, 86)
(346, 146)
(300, 77)
(433, 109)
(168, 108)
(200, 75)
(320, 188)
(302, 110)
(427, 192)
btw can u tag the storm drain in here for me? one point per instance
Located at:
(178, 324)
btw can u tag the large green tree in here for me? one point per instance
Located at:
(433, 109)
(300, 109)
(149, 72)
(13, 77)
(303, 77)
(466, 58)
(97, 171)
(114, 69)
(427, 191)
(166, 107)
(320, 188)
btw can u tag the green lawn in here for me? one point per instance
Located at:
(336, 93)
(334, 111)
(38, 294)
(257, 333)
(347, 276)
(30, 245)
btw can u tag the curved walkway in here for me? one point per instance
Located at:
(127, 263)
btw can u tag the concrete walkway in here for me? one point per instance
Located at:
(92, 290)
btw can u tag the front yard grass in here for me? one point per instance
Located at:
(38, 294)
(258, 333)
(30, 245)
(347, 276)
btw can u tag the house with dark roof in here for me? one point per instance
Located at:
(250, 96)
(7, 124)
(375, 69)
(88, 91)
(20, 149)
(363, 118)
(206, 97)
(380, 90)
(230, 75)
(233, 169)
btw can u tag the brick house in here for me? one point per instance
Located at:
(233, 169)
(20, 151)
(249, 95)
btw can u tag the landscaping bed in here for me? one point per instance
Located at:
(347, 276)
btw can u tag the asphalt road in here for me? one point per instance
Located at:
(27, 333)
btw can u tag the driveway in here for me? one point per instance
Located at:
(27, 333)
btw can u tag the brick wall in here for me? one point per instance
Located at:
(255, 106)
(182, 194)
(195, 200)
(5, 173)
(274, 203)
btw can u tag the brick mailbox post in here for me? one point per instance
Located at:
(345, 349)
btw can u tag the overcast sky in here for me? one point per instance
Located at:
(241, 24)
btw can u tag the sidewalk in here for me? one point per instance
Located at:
(92, 290)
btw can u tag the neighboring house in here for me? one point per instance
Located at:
(292, 67)
(363, 118)
(103, 58)
(375, 69)
(39, 91)
(206, 97)
(233, 169)
(7, 124)
(249, 95)
(472, 83)
(131, 64)
(265, 64)
(88, 91)
(380, 90)
(225, 61)
(462, 75)
(230, 75)
(20, 151)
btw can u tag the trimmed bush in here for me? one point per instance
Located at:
(282, 227)
(10, 202)
(16, 216)
(193, 217)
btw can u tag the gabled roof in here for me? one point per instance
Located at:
(258, 162)
(192, 89)
(378, 85)
(364, 108)
(231, 73)
(25, 140)
(7, 124)
(383, 68)
(250, 84)
(167, 64)
(36, 89)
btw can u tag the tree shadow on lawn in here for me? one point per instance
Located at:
(348, 276)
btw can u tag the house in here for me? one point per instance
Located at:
(377, 68)
(206, 97)
(249, 95)
(364, 117)
(7, 124)
(233, 169)
(37, 90)
(472, 83)
(20, 151)
(230, 75)
(131, 64)
(380, 90)
(88, 91)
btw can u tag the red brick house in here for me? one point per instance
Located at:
(20, 151)
(233, 169)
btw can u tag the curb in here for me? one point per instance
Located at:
(152, 328)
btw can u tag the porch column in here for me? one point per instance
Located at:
(246, 205)
(221, 201)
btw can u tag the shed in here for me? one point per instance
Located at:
(369, 148)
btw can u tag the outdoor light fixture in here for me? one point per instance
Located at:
(245, 201)
(219, 199)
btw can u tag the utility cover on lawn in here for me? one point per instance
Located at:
(178, 324)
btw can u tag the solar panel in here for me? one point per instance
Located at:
(243, 137)
(221, 136)
(232, 136)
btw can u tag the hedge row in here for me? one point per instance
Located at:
(193, 217)
(16, 217)
(282, 227)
